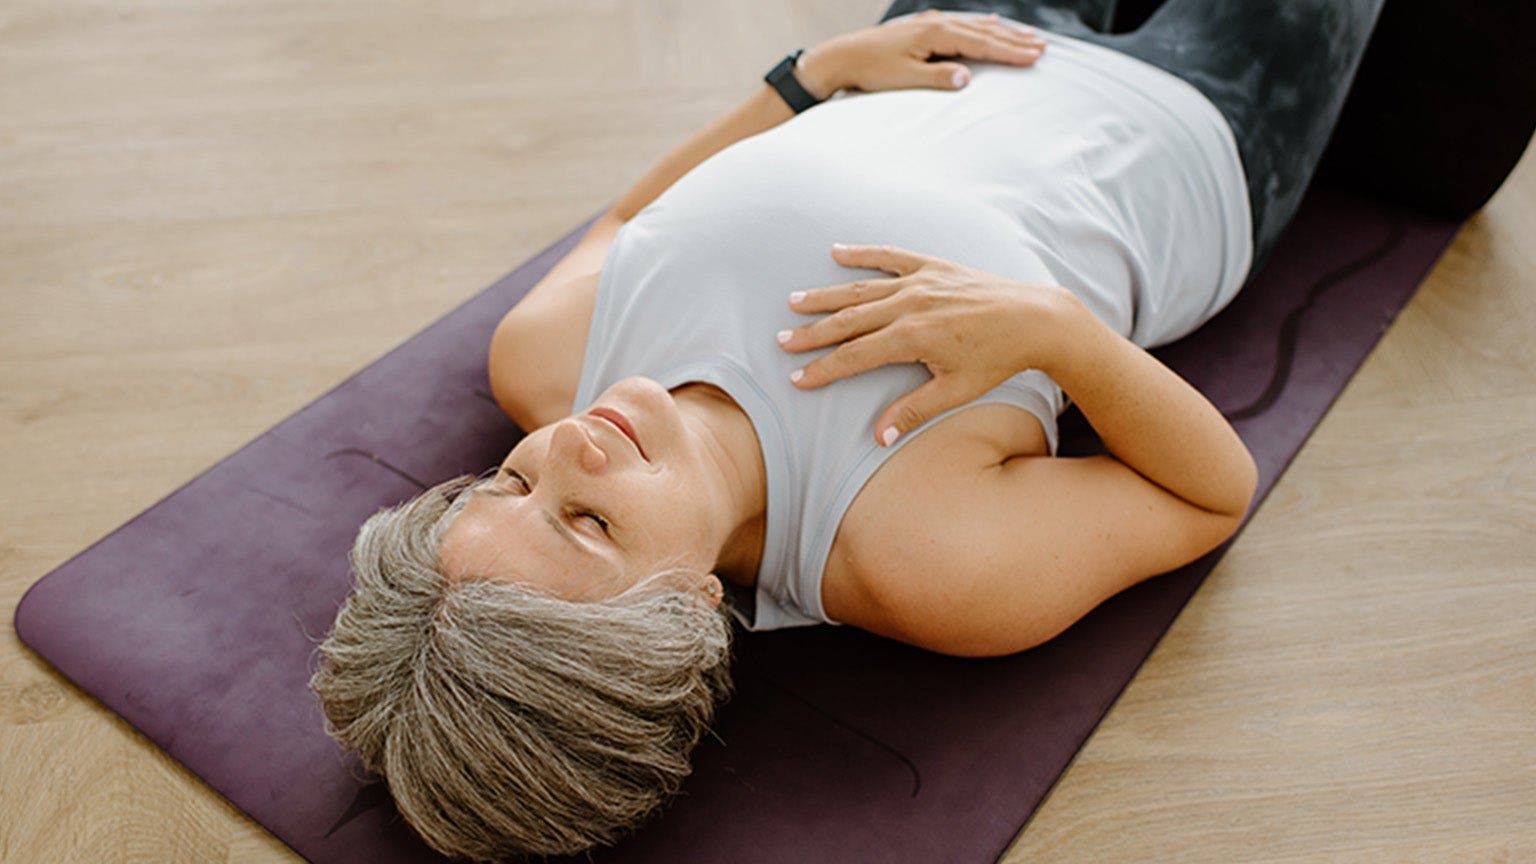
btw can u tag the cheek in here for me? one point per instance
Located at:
(678, 499)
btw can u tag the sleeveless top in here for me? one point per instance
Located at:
(1090, 169)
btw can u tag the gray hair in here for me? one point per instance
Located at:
(507, 721)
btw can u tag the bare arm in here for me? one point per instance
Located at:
(973, 329)
(893, 55)
(764, 109)
(997, 559)
(818, 72)
(1150, 418)
(888, 56)
(993, 560)
(761, 111)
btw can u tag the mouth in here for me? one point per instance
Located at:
(615, 417)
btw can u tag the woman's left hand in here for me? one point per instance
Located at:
(972, 329)
(894, 55)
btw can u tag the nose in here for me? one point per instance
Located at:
(572, 440)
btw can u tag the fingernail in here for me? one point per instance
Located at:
(959, 78)
(796, 297)
(839, 247)
(783, 336)
(796, 375)
(889, 435)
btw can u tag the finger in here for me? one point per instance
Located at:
(830, 298)
(1003, 33)
(840, 326)
(946, 76)
(891, 259)
(867, 352)
(972, 41)
(914, 409)
(992, 19)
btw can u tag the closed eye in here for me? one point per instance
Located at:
(577, 511)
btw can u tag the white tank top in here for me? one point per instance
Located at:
(1091, 170)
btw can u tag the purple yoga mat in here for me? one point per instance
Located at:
(194, 620)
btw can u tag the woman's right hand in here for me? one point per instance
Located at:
(972, 329)
(894, 55)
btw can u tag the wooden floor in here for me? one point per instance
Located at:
(211, 212)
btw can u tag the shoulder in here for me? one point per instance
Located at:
(536, 352)
(871, 534)
(534, 361)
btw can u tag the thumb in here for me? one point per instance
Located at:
(911, 411)
(949, 76)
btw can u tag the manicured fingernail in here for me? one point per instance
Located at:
(959, 78)
(839, 247)
(783, 336)
(796, 375)
(796, 297)
(889, 435)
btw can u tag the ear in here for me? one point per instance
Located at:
(713, 589)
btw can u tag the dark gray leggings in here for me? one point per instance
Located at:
(1278, 71)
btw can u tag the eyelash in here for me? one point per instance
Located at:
(579, 511)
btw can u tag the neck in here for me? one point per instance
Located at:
(733, 451)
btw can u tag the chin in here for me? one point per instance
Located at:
(637, 394)
(650, 407)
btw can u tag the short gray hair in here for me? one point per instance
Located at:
(508, 721)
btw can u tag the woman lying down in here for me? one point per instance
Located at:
(808, 371)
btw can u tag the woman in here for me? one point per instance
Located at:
(530, 657)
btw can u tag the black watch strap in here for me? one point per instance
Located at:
(782, 78)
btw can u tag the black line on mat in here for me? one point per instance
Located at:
(1285, 351)
(917, 777)
(367, 797)
(355, 451)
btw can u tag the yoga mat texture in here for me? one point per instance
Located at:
(196, 621)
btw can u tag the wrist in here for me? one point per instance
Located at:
(1071, 324)
(818, 72)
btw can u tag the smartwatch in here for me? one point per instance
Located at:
(783, 80)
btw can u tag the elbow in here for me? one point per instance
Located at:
(1248, 483)
(1240, 484)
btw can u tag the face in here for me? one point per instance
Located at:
(576, 509)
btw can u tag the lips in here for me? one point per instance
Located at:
(612, 415)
